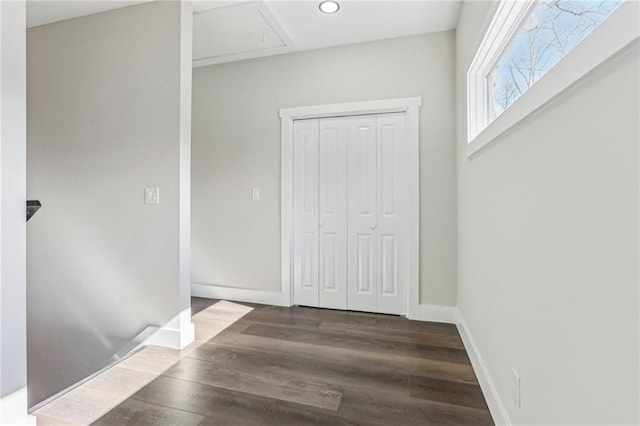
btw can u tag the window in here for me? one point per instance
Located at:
(524, 41)
(551, 30)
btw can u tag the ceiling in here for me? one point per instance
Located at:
(226, 31)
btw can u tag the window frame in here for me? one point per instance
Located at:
(616, 32)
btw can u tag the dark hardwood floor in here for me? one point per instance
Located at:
(306, 366)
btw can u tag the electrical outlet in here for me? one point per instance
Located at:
(255, 194)
(515, 387)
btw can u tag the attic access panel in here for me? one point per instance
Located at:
(235, 32)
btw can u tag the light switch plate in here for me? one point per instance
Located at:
(255, 194)
(152, 195)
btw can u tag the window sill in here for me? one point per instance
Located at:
(613, 35)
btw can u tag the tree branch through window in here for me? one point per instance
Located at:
(551, 30)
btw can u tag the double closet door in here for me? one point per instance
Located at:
(349, 242)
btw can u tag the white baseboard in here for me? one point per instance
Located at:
(176, 334)
(13, 409)
(496, 407)
(433, 313)
(240, 294)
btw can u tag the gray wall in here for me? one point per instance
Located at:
(105, 101)
(13, 332)
(548, 246)
(236, 146)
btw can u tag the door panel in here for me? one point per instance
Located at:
(305, 212)
(362, 247)
(364, 261)
(350, 232)
(388, 178)
(391, 232)
(308, 260)
(329, 280)
(332, 223)
(363, 167)
(389, 280)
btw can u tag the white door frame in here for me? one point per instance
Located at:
(408, 105)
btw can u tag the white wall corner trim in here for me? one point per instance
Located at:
(240, 294)
(408, 105)
(176, 334)
(496, 407)
(13, 409)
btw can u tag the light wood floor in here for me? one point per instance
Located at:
(305, 366)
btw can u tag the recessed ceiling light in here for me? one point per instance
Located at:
(329, 6)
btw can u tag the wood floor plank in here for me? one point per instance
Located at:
(464, 394)
(253, 381)
(200, 303)
(218, 315)
(310, 366)
(223, 406)
(274, 317)
(398, 323)
(383, 363)
(379, 344)
(376, 409)
(442, 340)
(288, 413)
(346, 317)
(133, 412)
(446, 414)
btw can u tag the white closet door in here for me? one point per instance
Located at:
(350, 241)
(362, 247)
(390, 232)
(305, 212)
(333, 213)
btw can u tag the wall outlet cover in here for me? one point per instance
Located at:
(152, 195)
(255, 194)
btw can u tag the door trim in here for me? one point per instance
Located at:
(410, 106)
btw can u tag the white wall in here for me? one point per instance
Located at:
(549, 245)
(13, 330)
(108, 115)
(236, 146)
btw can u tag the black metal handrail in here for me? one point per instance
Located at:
(32, 207)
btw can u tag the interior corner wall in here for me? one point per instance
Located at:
(236, 146)
(105, 108)
(186, 73)
(549, 246)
